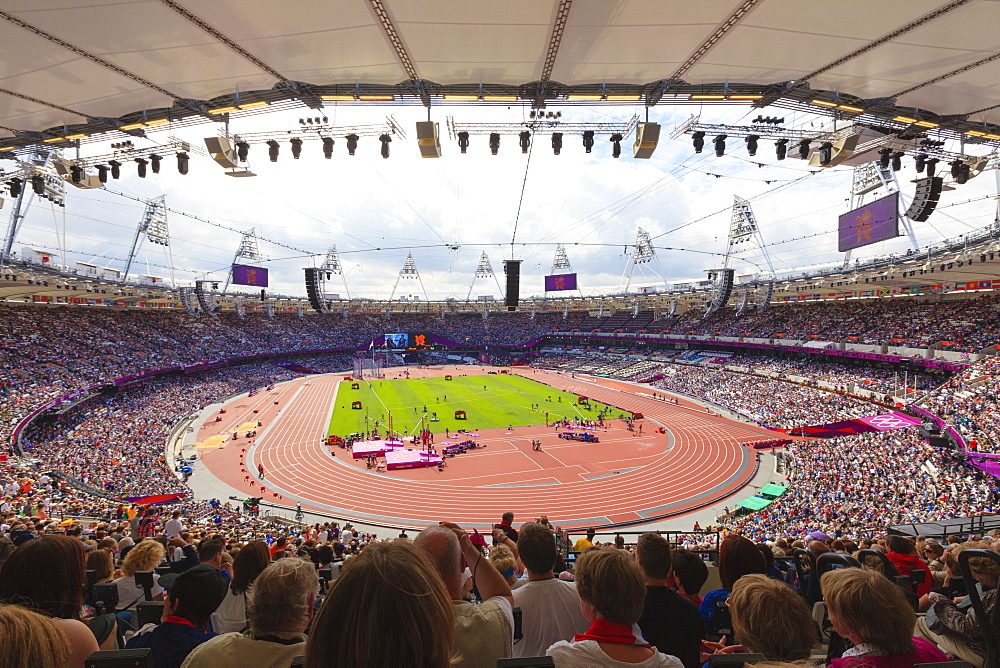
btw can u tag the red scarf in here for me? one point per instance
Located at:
(602, 630)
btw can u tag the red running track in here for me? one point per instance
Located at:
(623, 479)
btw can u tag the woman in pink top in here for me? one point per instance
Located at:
(872, 612)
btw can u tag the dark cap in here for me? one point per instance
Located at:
(201, 582)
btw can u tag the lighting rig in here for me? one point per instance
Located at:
(538, 124)
(852, 145)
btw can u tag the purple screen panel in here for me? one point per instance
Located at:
(246, 275)
(559, 282)
(869, 224)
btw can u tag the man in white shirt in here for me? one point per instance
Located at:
(483, 633)
(174, 527)
(550, 607)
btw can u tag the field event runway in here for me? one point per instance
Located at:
(623, 479)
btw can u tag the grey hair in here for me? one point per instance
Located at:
(282, 596)
(441, 544)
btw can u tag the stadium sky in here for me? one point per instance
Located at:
(447, 211)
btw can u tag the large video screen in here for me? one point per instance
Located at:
(557, 282)
(400, 341)
(869, 224)
(244, 274)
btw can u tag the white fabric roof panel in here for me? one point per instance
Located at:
(633, 42)
(475, 41)
(456, 41)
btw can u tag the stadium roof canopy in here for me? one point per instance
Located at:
(80, 67)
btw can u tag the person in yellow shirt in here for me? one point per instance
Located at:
(585, 544)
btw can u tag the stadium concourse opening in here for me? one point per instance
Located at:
(528, 445)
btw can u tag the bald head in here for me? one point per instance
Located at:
(441, 545)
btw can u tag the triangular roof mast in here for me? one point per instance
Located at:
(332, 265)
(409, 270)
(483, 270)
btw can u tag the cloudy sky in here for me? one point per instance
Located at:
(449, 210)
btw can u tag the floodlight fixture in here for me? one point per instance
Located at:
(352, 143)
(804, 149)
(242, 150)
(182, 163)
(296, 147)
(524, 139)
(116, 169)
(76, 173)
(494, 142)
(884, 157)
(38, 184)
(556, 142)
(141, 166)
(919, 162)
(327, 147)
(272, 150)
(385, 139)
(897, 161)
(931, 166)
(698, 139)
(780, 148)
(751, 141)
(154, 162)
(15, 187)
(616, 145)
(588, 140)
(825, 153)
(720, 145)
(463, 141)
(102, 173)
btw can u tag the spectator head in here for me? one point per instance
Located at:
(30, 639)
(6, 549)
(324, 554)
(900, 544)
(769, 618)
(194, 594)
(690, 571)
(145, 556)
(502, 559)
(537, 548)
(102, 564)
(611, 586)
(507, 518)
(390, 587)
(933, 550)
(441, 545)
(591, 534)
(284, 594)
(983, 570)
(738, 557)
(652, 551)
(46, 575)
(210, 551)
(866, 607)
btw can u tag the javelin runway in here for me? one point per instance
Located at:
(626, 478)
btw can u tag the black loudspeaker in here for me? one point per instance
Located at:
(313, 289)
(925, 199)
(513, 270)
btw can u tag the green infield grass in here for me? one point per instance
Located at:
(489, 402)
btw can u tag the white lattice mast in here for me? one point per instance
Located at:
(644, 253)
(743, 229)
(332, 265)
(560, 263)
(483, 270)
(153, 225)
(247, 251)
(409, 271)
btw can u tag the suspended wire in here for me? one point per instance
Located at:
(524, 187)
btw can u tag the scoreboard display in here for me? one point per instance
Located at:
(403, 341)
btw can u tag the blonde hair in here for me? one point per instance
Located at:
(871, 606)
(502, 559)
(612, 582)
(984, 570)
(145, 556)
(770, 618)
(30, 639)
